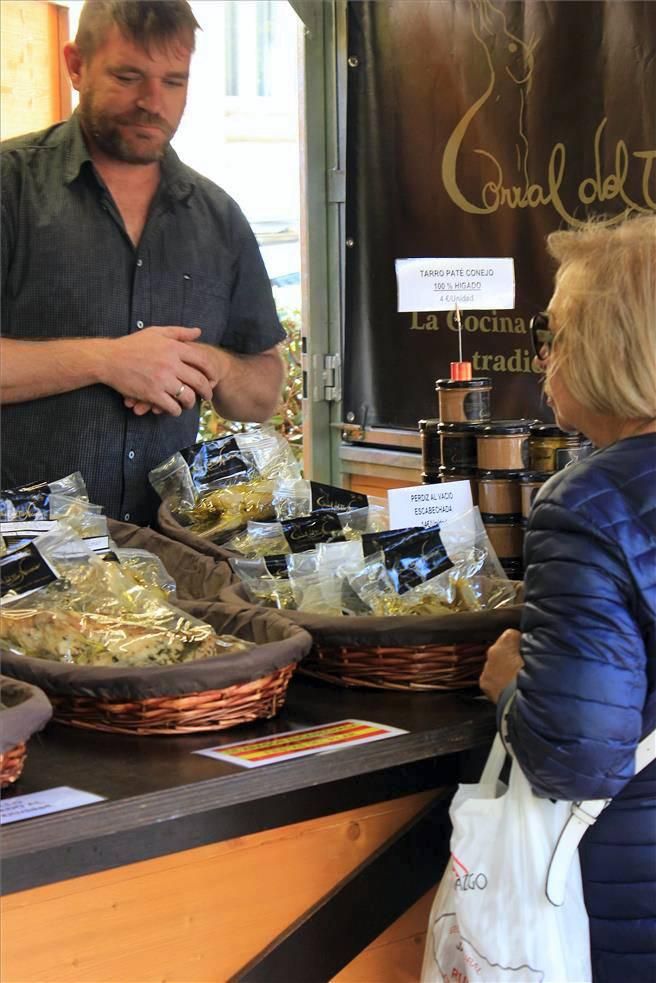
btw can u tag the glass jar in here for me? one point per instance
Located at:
(551, 449)
(430, 446)
(507, 537)
(530, 484)
(458, 445)
(462, 474)
(502, 445)
(499, 493)
(463, 401)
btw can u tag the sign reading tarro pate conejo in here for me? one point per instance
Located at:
(443, 284)
(299, 743)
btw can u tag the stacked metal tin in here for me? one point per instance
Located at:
(505, 461)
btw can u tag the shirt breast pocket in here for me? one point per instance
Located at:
(205, 305)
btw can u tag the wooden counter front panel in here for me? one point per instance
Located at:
(191, 917)
(397, 954)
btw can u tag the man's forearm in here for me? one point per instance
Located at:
(249, 386)
(34, 369)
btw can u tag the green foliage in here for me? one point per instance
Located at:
(288, 417)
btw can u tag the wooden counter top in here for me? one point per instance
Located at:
(161, 798)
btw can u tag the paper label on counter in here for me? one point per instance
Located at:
(428, 505)
(440, 284)
(42, 803)
(299, 743)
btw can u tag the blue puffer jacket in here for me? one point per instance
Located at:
(587, 694)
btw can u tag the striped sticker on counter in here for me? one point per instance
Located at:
(298, 743)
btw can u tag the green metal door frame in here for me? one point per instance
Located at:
(322, 93)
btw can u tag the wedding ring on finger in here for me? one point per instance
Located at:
(179, 392)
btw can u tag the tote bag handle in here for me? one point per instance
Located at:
(582, 816)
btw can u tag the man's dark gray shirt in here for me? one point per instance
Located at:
(69, 270)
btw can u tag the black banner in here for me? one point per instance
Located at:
(475, 128)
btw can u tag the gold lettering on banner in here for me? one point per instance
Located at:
(517, 191)
(520, 360)
(430, 323)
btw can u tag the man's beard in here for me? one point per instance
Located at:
(106, 134)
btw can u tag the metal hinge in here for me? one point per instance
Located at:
(336, 186)
(325, 378)
(332, 378)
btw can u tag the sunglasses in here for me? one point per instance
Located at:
(541, 336)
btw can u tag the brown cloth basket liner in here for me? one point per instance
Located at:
(29, 711)
(170, 526)
(398, 631)
(197, 577)
(279, 643)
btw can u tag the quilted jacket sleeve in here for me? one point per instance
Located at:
(577, 716)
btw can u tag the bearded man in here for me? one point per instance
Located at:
(132, 286)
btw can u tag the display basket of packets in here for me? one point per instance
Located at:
(411, 609)
(114, 654)
(24, 710)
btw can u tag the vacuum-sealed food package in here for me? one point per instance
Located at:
(29, 502)
(318, 578)
(266, 580)
(296, 497)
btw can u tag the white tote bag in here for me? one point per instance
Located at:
(491, 919)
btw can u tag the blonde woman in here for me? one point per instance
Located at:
(576, 689)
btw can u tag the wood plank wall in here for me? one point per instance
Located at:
(34, 92)
(200, 915)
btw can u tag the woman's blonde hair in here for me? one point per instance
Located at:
(605, 303)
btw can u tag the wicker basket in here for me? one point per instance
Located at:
(26, 710)
(11, 764)
(211, 694)
(411, 653)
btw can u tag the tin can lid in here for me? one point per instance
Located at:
(514, 568)
(479, 382)
(462, 472)
(494, 519)
(530, 477)
(469, 429)
(551, 430)
(497, 428)
(500, 475)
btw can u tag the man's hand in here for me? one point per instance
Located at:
(151, 367)
(502, 665)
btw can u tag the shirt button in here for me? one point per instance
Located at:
(131, 455)
(126, 517)
(139, 262)
(140, 324)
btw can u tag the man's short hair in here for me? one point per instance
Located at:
(146, 22)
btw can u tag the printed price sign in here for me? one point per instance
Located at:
(299, 743)
(428, 505)
(443, 284)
